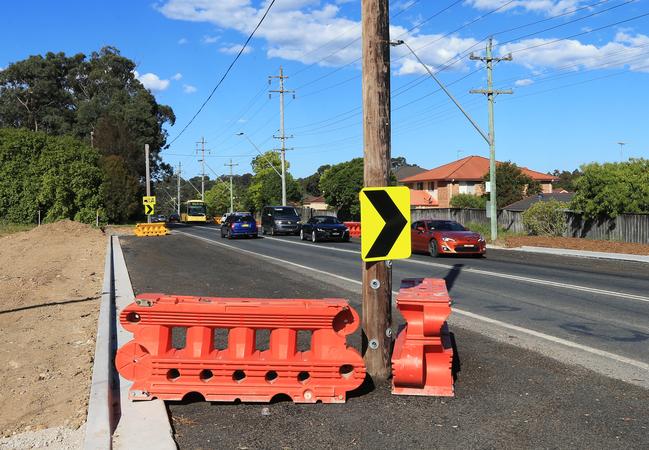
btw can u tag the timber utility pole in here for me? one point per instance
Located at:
(178, 189)
(202, 142)
(148, 175)
(377, 289)
(231, 194)
(282, 136)
(491, 96)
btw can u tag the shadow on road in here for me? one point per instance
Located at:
(452, 275)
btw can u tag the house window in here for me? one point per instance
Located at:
(467, 187)
(420, 185)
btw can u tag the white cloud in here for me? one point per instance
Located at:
(152, 81)
(209, 39)
(548, 7)
(189, 89)
(177, 77)
(625, 51)
(234, 49)
(182, 41)
(313, 31)
(524, 82)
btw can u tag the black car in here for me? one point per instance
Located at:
(173, 218)
(280, 220)
(319, 228)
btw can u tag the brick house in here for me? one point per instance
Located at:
(464, 176)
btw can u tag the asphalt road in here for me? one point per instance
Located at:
(506, 396)
(599, 304)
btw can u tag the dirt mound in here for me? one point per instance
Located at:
(50, 278)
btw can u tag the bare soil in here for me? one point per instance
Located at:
(577, 244)
(50, 280)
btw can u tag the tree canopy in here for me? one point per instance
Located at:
(512, 184)
(266, 185)
(58, 175)
(341, 185)
(610, 189)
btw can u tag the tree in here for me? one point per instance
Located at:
(60, 176)
(76, 95)
(341, 185)
(468, 201)
(606, 190)
(218, 199)
(266, 186)
(545, 218)
(311, 185)
(565, 179)
(120, 190)
(512, 184)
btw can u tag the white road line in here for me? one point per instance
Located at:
(547, 337)
(574, 287)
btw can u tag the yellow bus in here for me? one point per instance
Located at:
(193, 211)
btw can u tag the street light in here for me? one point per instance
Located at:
(280, 174)
(621, 144)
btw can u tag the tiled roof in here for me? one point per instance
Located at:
(407, 171)
(471, 168)
(421, 198)
(524, 204)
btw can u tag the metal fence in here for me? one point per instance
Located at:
(624, 228)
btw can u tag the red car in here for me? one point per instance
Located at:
(446, 237)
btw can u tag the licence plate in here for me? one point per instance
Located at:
(469, 245)
(245, 225)
(335, 234)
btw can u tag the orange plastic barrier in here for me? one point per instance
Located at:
(423, 355)
(241, 371)
(354, 228)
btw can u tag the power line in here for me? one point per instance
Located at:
(236, 58)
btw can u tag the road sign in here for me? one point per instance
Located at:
(385, 223)
(148, 200)
(148, 209)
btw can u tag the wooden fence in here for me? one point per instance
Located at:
(625, 227)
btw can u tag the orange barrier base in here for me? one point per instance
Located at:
(423, 354)
(325, 373)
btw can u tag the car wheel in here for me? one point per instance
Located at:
(222, 234)
(432, 248)
(302, 236)
(345, 238)
(263, 231)
(314, 237)
(229, 234)
(272, 231)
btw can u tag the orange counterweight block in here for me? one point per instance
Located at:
(423, 355)
(325, 373)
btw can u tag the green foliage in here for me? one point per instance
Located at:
(76, 95)
(468, 201)
(58, 175)
(485, 230)
(341, 185)
(566, 179)
(266, 185)
(606, 190)
(218, 199)
(545, 218)
(120, 190)
(311, 185)
(512, 184)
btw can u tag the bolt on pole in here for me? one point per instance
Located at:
(377, 289)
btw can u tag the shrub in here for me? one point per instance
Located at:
(545, 218)
(468, 201)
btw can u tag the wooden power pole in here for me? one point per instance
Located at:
(377, 289)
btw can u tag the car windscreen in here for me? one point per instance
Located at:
(243, 219)
(328, 220)
(285, 212)
(446, 226)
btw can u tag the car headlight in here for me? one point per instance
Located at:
(448, 239)
(481, 239)
(320, 229)
(299, 222)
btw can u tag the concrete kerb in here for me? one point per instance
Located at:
(113, 420)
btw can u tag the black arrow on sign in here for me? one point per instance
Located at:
(394, 223)
(148, 209)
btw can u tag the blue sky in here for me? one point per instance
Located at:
(580, 87)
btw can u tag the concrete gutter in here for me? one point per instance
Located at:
(577, 253)
(113, 420)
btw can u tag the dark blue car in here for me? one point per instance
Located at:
(320, 228)
(238, 224)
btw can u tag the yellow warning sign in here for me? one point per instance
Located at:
(148, 200)
(149, 209)
(385, 223)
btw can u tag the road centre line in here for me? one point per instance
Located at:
(575, 287)
(537, 334)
